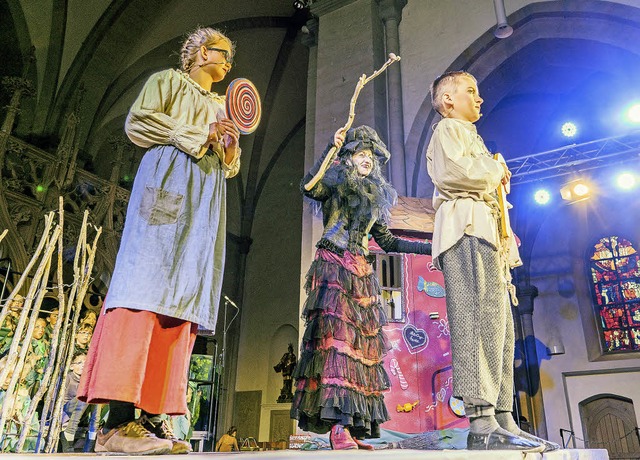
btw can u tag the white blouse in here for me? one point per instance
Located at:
(173, 109)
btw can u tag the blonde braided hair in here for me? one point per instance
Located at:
(202, 36)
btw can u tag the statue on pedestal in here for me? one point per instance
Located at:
(286, 365)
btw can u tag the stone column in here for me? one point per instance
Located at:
(350, 43)
(526, 295)
(391, 15)
(311, 222)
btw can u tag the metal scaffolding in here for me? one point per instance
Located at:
(575, 158)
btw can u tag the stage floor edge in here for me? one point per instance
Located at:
(384, 454)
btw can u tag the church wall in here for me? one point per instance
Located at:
(272, 282)
(563, 311)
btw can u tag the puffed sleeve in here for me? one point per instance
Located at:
(232, 169)
(388, 242)
(148, 122)
(453, 168)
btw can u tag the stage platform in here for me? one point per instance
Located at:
(385, 454)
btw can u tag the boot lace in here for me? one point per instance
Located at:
(161, 429)
(136, 429)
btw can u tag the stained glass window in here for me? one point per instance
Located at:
(615, 281)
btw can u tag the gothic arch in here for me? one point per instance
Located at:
(592, 22)
(609, 422)
(280, 339)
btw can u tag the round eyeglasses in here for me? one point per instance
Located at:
(225, 54)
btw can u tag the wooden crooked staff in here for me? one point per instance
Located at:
(502, 191)
(505, 232)
(352, 114)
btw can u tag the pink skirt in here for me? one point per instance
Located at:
(139, 357)
(339, 377)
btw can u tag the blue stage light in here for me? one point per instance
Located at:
(569, 129)
(633, 114)
(542, 196)
(626, 181)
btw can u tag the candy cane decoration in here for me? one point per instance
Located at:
(352, 114)
(395, 370)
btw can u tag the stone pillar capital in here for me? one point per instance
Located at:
(391, 9)
(19, 84)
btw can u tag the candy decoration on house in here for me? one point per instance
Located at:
(395, 370)
(431, 288)
(406, 407)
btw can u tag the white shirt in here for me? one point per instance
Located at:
(465, 177)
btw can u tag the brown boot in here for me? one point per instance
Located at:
(163, 431)
(131, 438)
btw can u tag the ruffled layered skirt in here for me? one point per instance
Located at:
(339, 377)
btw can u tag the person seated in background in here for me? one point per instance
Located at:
(10, 322)
(18, 402)
(37, 356)
(83, 339)
(89, 319)
(228, 441)
(51, 319)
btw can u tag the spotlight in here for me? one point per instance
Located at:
(576, 190)
(580, 190)
(542, 196)
(301, 4)
(633, 114)
(569, 129)
(626, 181)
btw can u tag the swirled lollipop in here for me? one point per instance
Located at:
(243, 105)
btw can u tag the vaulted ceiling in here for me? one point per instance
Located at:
(93, 56)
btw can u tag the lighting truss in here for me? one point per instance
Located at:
(574, 158)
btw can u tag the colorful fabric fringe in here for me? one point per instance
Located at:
(339, 377)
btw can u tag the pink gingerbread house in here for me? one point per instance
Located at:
(419, 363)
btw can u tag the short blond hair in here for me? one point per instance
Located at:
(203, 36)
(445, 83)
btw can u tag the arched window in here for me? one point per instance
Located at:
(615, 282)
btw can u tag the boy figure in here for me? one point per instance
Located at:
(52, 319)
(475, 260)
(73, 409)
